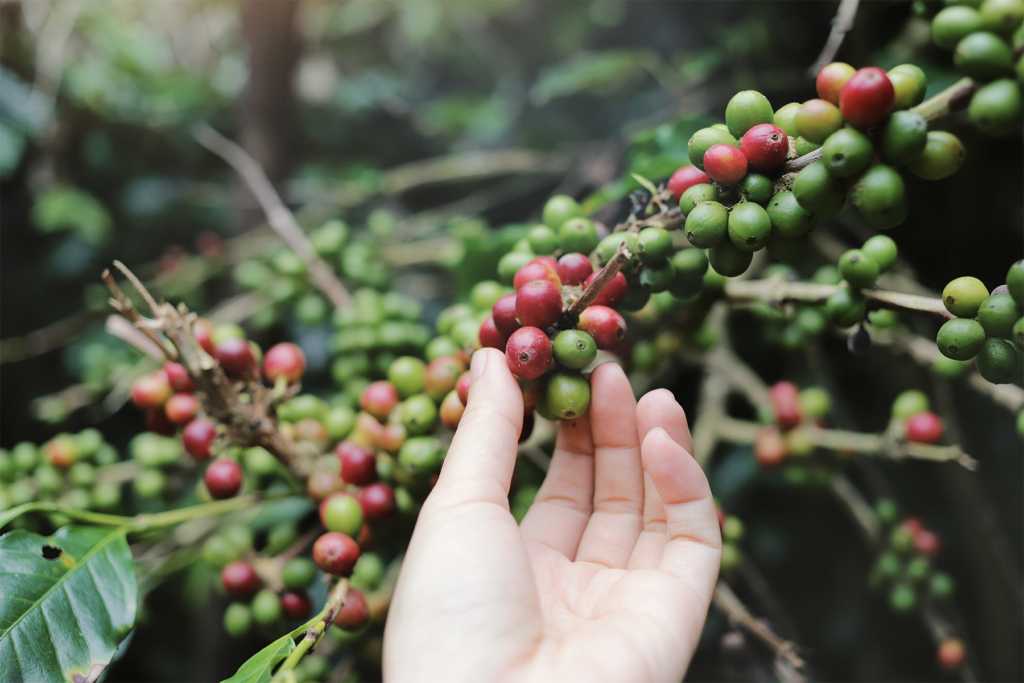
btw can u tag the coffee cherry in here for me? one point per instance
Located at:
(951, 654)
(879, 196)
(490, 336)
(765, 147)
(510, 263)
(503, 316)
(964, 296)
(725, 164)
(757, 188)
(882, 250)
(816, 190)
(942, 156)
(442, 374)
(379, 399)
(151, 391)
(769, 447)
(408, 375)
(558, 209)
(223, 478)
(960, 338)
(542, 239)
(703, 140)
(295, 605)
(573, 268)
(696, 195)
(845, 308)
(538, 304)
(236, 357)
(541, 268)
(817, 120)
(999, 361)
(867, 98)
(181, 408)
(684, 178)
(266, 607)
(904, 137)
(567, 395)
(377, 501)
(831, 79)
(1015, 282)
(418, 414)
(749, 226)
(927, 543)
(613, 290)
(358, 465)
(354, 612)
(578, 234)
(785, 399)
(902, 598)
(239, 579)
(924, 427)
(178, 377)
(285, 360)
(1018, 333)
(574, 349)
(953, 24)
(604, 324)
(654, 278)
(984, 56)
(789, 219)
(858, 269)
(729, 261)
(298, 573)
(335, 553)
(421, 455)
(997, 314)
(462, 387)
(653, 245)
(745, 110)
(847, 152)
(707, 224)
(341, 512)
(941, 586)
(203, 331)
(689, 266)
(237, 619)
(198, 437)
(1001, 16)
(785, 118)
(996, 107)
(528, 352)
(909, 83)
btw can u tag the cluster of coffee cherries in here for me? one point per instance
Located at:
(732, 533)
(785, 442)
(912, 416)
(988, 327)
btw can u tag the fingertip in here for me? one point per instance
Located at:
(658, 399)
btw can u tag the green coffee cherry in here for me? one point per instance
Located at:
(960, 338)
(757, 188)
(24, 457)
(904, 137)
(690, 265)
(883, 318)
(882, 250)
(695, 194)
(984, 56)
(886, 509)
(997, 314)
(731, 558)
(888, 567)
(408, 374)
(963, 296)
(656, 278)
(266, 607)
(559, 209)
(298, 573)
(749, 226)
(943, 156)
(902, 598)
(574, 349)
(788, 218)
(732, 529)
(567, 395)
(811, 321)
(485, 293)
(418, 414)
(918, 569)
(996, 107)
(999, 361)
(705, 138)
(859, 269)
(909, 83)
(805, 146)
(1015, 282)
(342, 513)
(644, 356)
(1018, 333)
(542, 239)
(368, 571)
(815, 402)
(816, 190)
(510, 263)
(909, 403)
(279, 537)
(879, 196)
(608, 246)
(653, 245)
(149, 483)
(727, 260)
(949, 368)
(578, 234)
(237, 619)
(953, 24)
(421, 455)
(1001, 16)
(847, 152)
(785, 118)
(707, 224)
(745, 110)
(845, 308)
(941, 586)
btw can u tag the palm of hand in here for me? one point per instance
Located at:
(608, 577)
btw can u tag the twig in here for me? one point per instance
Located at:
(280, 218)
(780, 291)
(603, 277)
(315, 631)
(119, 327)
(842, 23)
(737, 613)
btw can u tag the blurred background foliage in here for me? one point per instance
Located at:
(434, 120)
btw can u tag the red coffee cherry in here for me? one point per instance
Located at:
(604, 324)
(925, 427)
(540, 268)
(181, 408)
(684, 178)
(151, 391)
(239, 579)
(223, 478)
(613, 290)
(504, 314)
(462, 387)
(178, 377)
(391, 437)
(284, 360)
(335, 553)
(377, 500)
(927, 543)
(379, 398)
(867, 97)
(769, 447)
(354, 611)
(358, 464)
(442, 374)
(765, 147)
(913, 525)
(528, 352)
(785, 398)
(490, 336)
(574, 268)
(451, 410)
(296, 605)
(951, 654)
(725, 164)
(831, 79)
(203, 331)
(157, 422)
(198, 437)
(235, 356)
(539, 303)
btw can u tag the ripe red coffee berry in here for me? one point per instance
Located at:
(913, 525)
(925, 427)
(540, 268)
(765, 147)
(462, 387)
(235, 356)
(151, 391)
(684, 178)
(831, 79)
(951, 654)
(296, 605)
(604, 324)
(785, 398)
(490, 336)
(451, 410)
(769, 447)
(157, 422)
(239, 579)
(867, 97)
(181, 408)
(203, 331)
(377, 500)
(379, 398)
(178, 377)
(528, 352)
(539, 303)
(335, 553)
(574, 268)
(284, 360)
(725, 164)
(223, 478)
(198, 437)
(441, 375)
(504, 314)
(927, 543)
(354, 611)
(358, 464)
(613, 290)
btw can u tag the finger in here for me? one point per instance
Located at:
(560, 511)
(657, 409)
(614, 524)
(482, 455)
(694, 544)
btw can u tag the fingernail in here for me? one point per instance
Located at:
(478, 364)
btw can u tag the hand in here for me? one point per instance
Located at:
(609, 576)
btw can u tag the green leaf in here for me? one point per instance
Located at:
(645, 183)
(594, 72)
(67, 208)
(260, 667)
(64, 617)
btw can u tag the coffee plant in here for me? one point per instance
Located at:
(285, 470)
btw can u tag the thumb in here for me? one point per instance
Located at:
(480, 461)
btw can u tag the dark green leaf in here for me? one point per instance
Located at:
(260, 667)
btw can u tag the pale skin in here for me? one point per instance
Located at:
(608, 577)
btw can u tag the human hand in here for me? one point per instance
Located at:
(609, 576)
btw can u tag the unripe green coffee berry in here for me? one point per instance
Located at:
(149, 483)
(298, 573)
(815, 121)
(749, 226)
(82, 474)
(785, 118)
(984, 56)
(880, 197)
(882, 249)
(887, 567)
(788, 218)
(859, 269)
(1001, 16)
(1018, 333)
(960, 338)
(342, 512)
(266, 607)
(106, 495)
(727, 260)
(654, 245)
(559, 209)
(943, 156)
(811, 321)
(805, 146)
(279, 537)
(567, 395)
(485, 293)
(963, 296)
(904, 137)
(997, 314)
(902, 598)
(690, 265)
(578, 234)
(656, 278)
(237, 619)
(757, 188)
(918, 569)
(941, 586)
(996, 107)
(909, 403)
(901, 540)
(816, 190)
(1015, 282)
(707, 224)
(731, 558)
(732, 529)
(408, 374)
(608, 246)
(845, 308)
(949, 368)
(510, 263)
(883, 318)
(745, 110)
(421, 455)
(847, 152)
(887, 510)
(952, 24)
(644, 356)
(695, 194)
(999, 361)
(703, 140)
(815, 402)
(542, 239)
(909, 83)
(418, 414)
(368, 572)
(574, 349)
